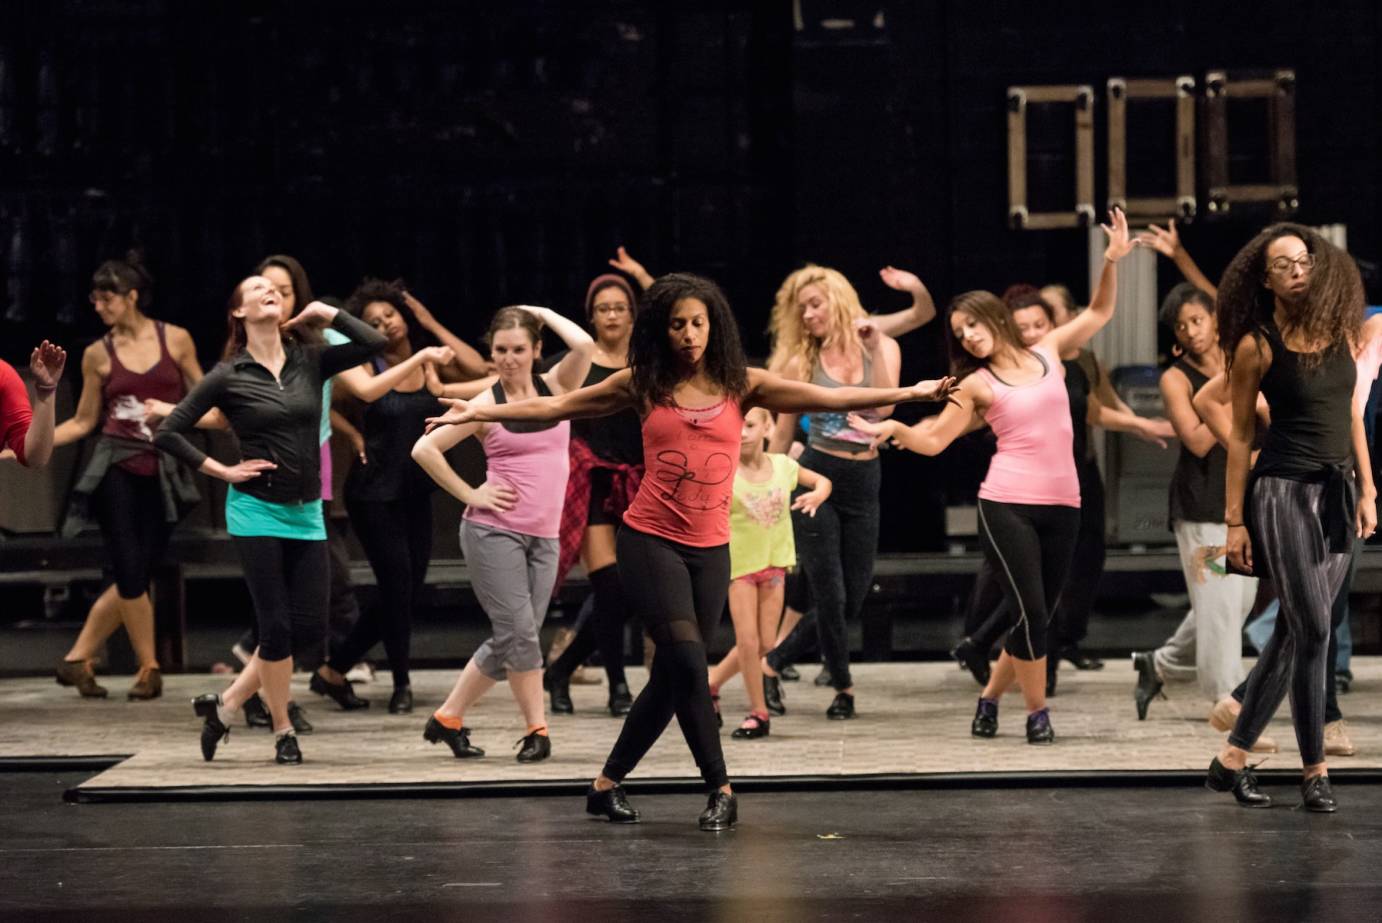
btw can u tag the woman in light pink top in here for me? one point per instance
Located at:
(1029, 503)
(509, 533)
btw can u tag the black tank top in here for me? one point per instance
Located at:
(392, 424)
(1312, 419)
(616, 438)
(1197, 486)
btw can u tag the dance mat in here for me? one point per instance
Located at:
(912, 726)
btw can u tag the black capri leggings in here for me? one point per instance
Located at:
(1030, 548)
(129, 508)
(681, 592)
(287, 578)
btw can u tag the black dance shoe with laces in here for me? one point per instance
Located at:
(286, 750)
(343, 694)
(213, 729)
(1317, 796)
(620, 700)
(969, 656)
(772, 693)
(842, 709)
(985, 722)
(1242, 782)
(1148, 683)
(458, 740)
(721, 812)
(534, 748)
(612, 804)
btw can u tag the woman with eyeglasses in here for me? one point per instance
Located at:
(136, 494)
(1290, 321)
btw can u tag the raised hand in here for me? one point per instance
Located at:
(424, 316)
(316, 314)
(1120, 243)
(460, 412)
(901, 279)
(627, 264)
(495, 497)
(46, 363)
(246, 470)
(1163, 240)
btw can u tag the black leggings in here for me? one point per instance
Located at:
(287, 580)
(1030, 548)
(397, 538)
(681, 592)
(129, 508)
(604, 629)
(1289, 543)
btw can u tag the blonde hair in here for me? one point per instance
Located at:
(790, 337)
(767, 414)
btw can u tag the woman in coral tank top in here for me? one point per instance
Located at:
(689, 381)
(1029, 504)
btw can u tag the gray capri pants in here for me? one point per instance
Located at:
(513, 576)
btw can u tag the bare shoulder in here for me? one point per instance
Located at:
(976, 390)
(95, 358)
(1173, 380)
(1253, 353)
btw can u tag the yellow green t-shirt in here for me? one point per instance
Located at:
(760, 520)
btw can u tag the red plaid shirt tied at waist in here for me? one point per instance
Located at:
(575, 511)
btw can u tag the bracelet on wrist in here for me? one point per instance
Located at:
(1234, 525)
(45, 389)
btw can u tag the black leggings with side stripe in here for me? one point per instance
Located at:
(680, 591)
(1030, 548)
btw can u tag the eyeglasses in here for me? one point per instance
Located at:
(617, 307)
(1282, 265)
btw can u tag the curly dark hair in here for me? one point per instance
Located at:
(656, 368)
(1331, 312)
(371, 290)
(989, 310)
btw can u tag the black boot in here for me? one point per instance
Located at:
(620, 700)
(458, 740)
(560, 687)
(213, 729)
(772, 694)
(973, 660)
(1148, 683)
(401, 702)
(721, 812)
(1317, 796)
(1242, 782)
(535, 748)
(256, 712)
(343, 694)
(611, 804)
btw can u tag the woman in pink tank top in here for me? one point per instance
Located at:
(689, 381)
(1029, 504)
(140, 359)
(509, 532)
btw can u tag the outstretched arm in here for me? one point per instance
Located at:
(922, 311)
(609, 396)
(782, 395)
(365, 385)
(934, 434)
(1100, 311)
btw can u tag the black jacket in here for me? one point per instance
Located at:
(278, 420)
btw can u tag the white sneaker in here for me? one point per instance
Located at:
(362, 672)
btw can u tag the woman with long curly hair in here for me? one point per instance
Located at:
(822, 334)
(1029, 503)
(689, 381)
(1290, 320)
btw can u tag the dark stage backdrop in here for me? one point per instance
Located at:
(497, 153)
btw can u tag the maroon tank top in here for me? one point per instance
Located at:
(124, 395)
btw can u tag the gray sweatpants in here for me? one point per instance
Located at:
(1208, 645)
(513, 577)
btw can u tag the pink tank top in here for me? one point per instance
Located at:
(691, 457)
(535, 465)
(1034, 463)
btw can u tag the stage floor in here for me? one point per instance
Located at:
(913, 722)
